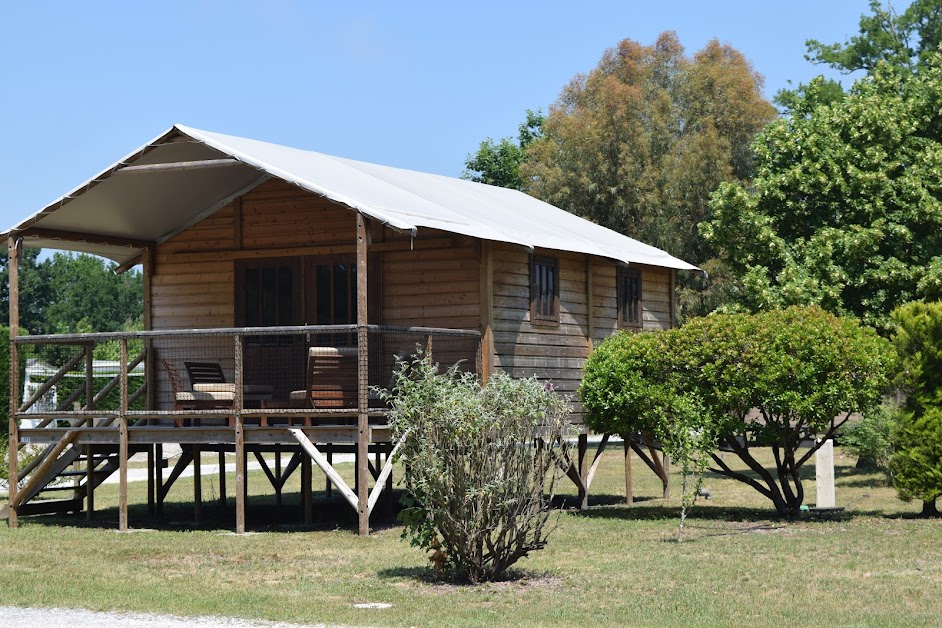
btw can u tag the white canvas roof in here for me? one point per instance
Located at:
(123, 209)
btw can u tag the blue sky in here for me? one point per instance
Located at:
(409, 84)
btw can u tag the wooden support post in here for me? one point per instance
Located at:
(159, 478)
(487, 310)
(307, 513)
(89, 381)
(279, 484)
(388, 509)
(150, 364)
(123, 442)
(197, 485)
(589, 301)
(89, 482)
(330, 460)
(583, 450)
(629, 484)
(241, 486)
(13, 267)
(150, 480)
(222, 477)
(363, 428)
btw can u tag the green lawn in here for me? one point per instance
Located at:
(876, 565)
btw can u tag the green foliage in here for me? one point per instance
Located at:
(845, 210)
(871, 438)
(36, 291)
(498, 163)
(906, 39)
(916, 463)
(69, 293)
(481, 465)
(640, 142)
(799, 369)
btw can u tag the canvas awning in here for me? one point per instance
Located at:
(187, 174)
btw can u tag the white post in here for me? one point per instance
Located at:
(824, 475)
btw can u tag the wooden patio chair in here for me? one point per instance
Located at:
(331, 379)
(194, 399)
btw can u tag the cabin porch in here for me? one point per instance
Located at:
(307, 392)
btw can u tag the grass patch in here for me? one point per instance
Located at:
(877, 564)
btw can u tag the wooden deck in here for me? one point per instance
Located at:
(333, 410)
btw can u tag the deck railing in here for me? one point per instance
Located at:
(205, 377)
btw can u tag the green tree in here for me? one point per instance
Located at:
(90, 297)
(498, 163)
(634, 389)
(802, 370)
(845, 209)
(906, 39)
(640, 142)
(916, 464)
(35, 291)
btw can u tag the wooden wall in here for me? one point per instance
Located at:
(433, 280)
(557, 353)
(435, 284)
(192, 286)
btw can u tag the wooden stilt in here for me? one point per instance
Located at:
(89, 482)
(159, 478)
(123, 436)
(241, 487)
(278, 484)
(307, 511)
(582, 452)
(150, 480)
(363, 427)
(222, 477)
(388, 509)
(13, 271)
(330, 460)
(197, 485)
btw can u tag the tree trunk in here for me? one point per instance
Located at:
(929, 509)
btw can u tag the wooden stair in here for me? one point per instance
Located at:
(70, 464)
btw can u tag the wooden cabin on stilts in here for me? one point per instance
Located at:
(280, 285)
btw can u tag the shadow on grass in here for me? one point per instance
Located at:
(262, 514)
(427, 575)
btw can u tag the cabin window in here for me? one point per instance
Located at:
(544, 290)
(268, 296)
(629, 298)
(332, 292)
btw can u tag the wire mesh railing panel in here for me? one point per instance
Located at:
(388, 346)
(192, 372)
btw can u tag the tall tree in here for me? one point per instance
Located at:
(639, 143)
(906, 39)
(498, 163)
(90, 297)
(845, 210)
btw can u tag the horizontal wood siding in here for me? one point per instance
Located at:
(192, 294)
(433, 287)
(555, 353)
(657, 298)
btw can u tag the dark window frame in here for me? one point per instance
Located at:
(630, 306)
(278, 265)
(543, 270)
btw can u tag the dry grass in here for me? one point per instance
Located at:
(877, 564)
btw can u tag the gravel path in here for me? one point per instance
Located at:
(15, 617)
